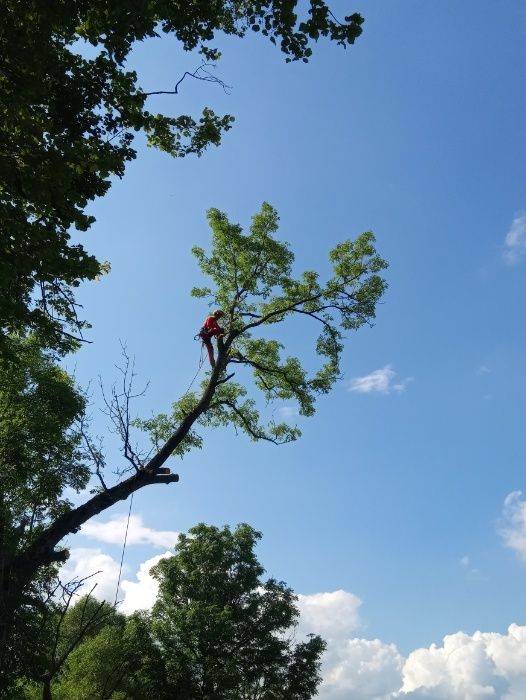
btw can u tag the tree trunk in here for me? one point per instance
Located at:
(46, 689)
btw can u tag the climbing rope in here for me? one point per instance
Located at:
(123, 550)
(201, 360)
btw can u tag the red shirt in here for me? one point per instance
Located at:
(211, 326)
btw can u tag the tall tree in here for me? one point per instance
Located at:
(252, 282)
(223, 632)
(67, 124)
(41, 456)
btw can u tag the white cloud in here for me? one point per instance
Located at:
(141, 594)
(361, 669)
(380, 381)
(513, 524)
(482, 666)
(485, 665)
(483, 369)
(515, 241)
(333, 614)
(83, 562)
(113, 531)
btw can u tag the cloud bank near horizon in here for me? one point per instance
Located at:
(480, 666)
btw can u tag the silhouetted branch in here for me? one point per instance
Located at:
(200, 73)
(118, 408)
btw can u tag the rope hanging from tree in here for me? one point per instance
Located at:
(123, 550)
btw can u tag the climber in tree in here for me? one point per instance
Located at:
(210, 329)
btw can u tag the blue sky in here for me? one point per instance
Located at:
(418, 133)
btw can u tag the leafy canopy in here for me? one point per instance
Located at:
(224, 632)
(253, 282)
(68, 121)
(217, 631)
(40, 446)
(41, 457)
(94, 652)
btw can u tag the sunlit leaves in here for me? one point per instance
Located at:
(40, 448)
(253, 283)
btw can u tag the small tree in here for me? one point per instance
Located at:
(223, 632)
(55, 631)
(120, 662)
(94, 652)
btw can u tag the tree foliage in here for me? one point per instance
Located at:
(41, 456)
(224, 632)
(121, 661)
(69, 116)
(217, 631)
(114, 657)
(40, 447)
(253, 282)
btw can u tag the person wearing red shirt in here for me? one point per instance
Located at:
(211, 329)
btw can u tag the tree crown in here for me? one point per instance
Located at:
(254, 284)
(222, 629)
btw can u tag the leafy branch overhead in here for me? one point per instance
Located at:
(68, 123)
(253, 282)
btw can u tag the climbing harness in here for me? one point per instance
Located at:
(202, 334)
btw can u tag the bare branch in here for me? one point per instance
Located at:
(200, 73)
(68, 592)
(118, 409)
(86, 622)
(94, 452)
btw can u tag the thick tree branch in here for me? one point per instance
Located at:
(42, 550)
